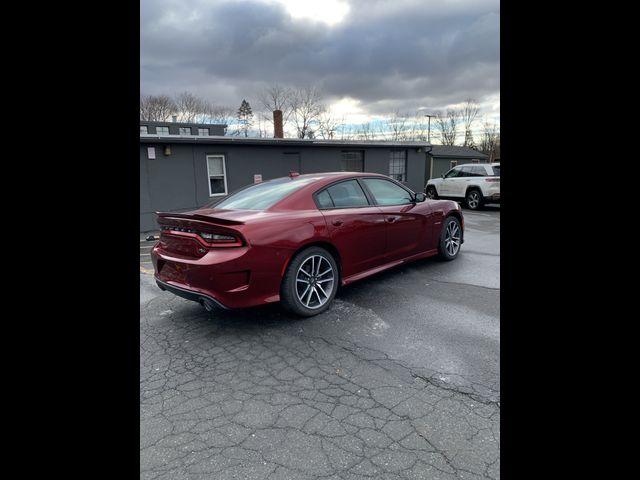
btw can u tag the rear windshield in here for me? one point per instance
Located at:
(496, 170)
(261, 195)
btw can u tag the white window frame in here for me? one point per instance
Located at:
(162, 126)
(146, 130)
(184, 134)
(200, 134)
(224, 173)
(453, 164)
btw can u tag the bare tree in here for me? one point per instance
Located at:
(306, 107)
(365, 132)
(156, 108)
(273, 98)
(328, 125)
(397, 127)
(469, 112)
(490, 142)
(447, 126)
(189, 106)
(220, 114)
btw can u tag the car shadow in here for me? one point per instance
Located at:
(273, 315)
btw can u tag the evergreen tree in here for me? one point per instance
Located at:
(245, 117)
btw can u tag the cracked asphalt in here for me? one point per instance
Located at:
(399, 379)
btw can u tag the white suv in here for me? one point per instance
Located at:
(477, 183)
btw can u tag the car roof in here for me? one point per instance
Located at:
(476, 164)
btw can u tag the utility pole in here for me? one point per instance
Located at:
(429, 127)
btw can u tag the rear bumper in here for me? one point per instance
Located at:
(228, 278)
(205, 300)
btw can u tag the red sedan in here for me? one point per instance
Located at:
(296, 239)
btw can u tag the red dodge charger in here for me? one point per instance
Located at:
(296, 239)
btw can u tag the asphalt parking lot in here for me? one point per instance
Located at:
(399, 379)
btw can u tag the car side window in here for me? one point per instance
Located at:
(347, 194)
(324, 200)
(454, 172)
(387, 193)
(479, 171)
(473, 171)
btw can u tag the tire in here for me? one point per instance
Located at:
(431, 192)
(474, 199)
(450, 239)
(304, 291)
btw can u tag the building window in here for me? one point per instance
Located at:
(185, 131)
(352, 161)
(203, 132)
(143, 129)
(453, 163)
(475, 160)
(217, 175)
(162, 130)
(398, 165)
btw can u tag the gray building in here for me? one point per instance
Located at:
(443, 158)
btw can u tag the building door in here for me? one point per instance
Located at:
(291, 162)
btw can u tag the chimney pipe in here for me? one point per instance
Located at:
(278, 131)
(174, 118)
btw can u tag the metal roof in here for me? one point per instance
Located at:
(455, 151)
(216, 139)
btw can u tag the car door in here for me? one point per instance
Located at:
(448, 184)
(459, 182)
(408, 223)
(356, 227)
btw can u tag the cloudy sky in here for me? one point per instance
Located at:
(369, 57)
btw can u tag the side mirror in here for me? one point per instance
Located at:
(420, 197)
(442, 175)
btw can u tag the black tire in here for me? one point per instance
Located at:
(444, 247)
(431, 192)
(474, 199)
(291, 289)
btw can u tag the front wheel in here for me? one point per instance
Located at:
(310, 282)
(431, 192)
(474, 199)
(450, 239)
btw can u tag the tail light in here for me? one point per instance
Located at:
(208, 239)
(217, 238)
(492, 179)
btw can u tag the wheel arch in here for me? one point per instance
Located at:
(458, 215)
(327, 245)
(473, 187)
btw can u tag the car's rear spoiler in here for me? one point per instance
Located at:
(201, 218)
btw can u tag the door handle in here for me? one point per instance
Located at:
(391, 219)
(337, 223)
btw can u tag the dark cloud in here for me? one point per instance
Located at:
(388, 54)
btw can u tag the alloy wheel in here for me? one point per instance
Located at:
(314, 281)
(473, 200)
(452, 238)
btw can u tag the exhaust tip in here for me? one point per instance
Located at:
(208, 305)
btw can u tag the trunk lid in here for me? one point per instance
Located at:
(191, 235)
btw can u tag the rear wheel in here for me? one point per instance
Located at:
(310, 282)
(474, 199)
(450, 239)
(431, 192)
